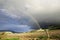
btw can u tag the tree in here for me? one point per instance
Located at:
(54, 27)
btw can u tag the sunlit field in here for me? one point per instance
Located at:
(34, 35)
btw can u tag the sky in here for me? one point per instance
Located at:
(29, 12)
(23, 24)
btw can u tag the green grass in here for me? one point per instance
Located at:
(12, 39)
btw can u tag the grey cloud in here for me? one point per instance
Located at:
(41, 10)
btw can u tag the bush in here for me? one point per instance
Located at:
(43, 37)
(55, 36)
(54, 27)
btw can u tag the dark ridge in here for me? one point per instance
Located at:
(9, 31)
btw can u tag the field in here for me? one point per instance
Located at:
(35, 35)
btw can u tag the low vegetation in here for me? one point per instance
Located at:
(54, 34)
(43, 37)
(11, 39)
(57, 36)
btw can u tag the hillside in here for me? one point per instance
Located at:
(28, 34)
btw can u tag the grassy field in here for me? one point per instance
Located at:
(54, 35)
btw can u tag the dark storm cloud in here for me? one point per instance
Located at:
(43, 11)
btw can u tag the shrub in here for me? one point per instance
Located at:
(55, 36)
(43, 37)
